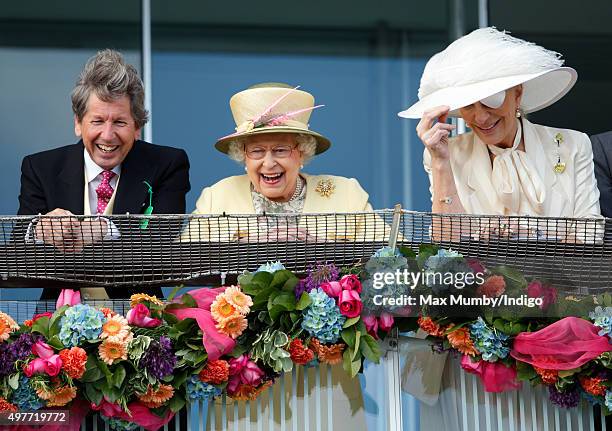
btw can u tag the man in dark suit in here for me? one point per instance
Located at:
(602, 156)
(108, 171)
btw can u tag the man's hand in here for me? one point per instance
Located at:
(57, 231)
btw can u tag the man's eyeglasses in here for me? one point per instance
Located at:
(278, 152)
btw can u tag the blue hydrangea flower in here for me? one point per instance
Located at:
(80, 322)
(602, 317)
(608, 399)
(387, 252)
(492, 344)
(199, 390)
(119, 424)
(440, 259)
(270, 267)
(590, 398)
(24, 397)
(322, 318)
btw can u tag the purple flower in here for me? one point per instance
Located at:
(319, 274)
(159, 360)
(300, 288)
(566, 400)
(19, 350)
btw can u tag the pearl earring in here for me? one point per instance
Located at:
(301, 166)
(518, 113)
(245, 169)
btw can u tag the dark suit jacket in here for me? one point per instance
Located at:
(602, 156)
(56, 179)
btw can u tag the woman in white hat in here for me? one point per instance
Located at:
(506, 165)
(273, 141)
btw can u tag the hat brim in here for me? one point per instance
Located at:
(323, 143)
(539, 91)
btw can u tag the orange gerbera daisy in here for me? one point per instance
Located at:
(233, 326)
(73, 362)
(116, 328)
(5, 406)
(460, 340)
(431, 327)
(236, 297)
(222, 310)
(112, 351)
(250, 392)
(331, 354)
(57, 396)
(7, 325)
(107, 312)
(154, 398)
(137, 298)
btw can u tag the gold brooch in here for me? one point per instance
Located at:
(325, 188)
(559, 166)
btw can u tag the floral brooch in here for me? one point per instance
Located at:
(559, 166)
(325, 188)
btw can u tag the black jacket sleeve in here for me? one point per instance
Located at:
(602, 155)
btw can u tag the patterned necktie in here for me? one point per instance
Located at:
(104, 191)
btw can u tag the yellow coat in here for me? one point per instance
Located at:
(232, 195)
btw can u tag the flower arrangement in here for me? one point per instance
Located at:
(141, 368)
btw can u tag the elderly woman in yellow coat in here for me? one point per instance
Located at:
(273, 141)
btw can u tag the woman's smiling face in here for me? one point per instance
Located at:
(272, 163)
(494, 126)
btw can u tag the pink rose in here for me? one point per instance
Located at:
(42, 350)
(68, 297)
(243, 371)
(385, 321)
(53, 365)
(371, 323)
(50, 366)
(351, 282)
(350, 303)
(536, 289)
(331, 288)
(140, 316)
(37, 366)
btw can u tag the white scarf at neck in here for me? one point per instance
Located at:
(515, 179)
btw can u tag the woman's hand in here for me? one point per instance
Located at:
(435, 136)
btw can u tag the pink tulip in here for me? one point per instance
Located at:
(385, 321)
(42, 350)
(331, 288)
(68, 297)
(371, 323)
(351, 282)
(140, 316)
(350, 303)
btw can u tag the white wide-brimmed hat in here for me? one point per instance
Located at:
(272, 108)
(488, 61)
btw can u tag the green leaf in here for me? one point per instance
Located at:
(56, 343)
(275, 311)
(189, 301)
(174, 293)
(260, 301)
(262, 279)
(357, 343)
(245, 279)
(514, 278)
(349, 336)
(13, 381)
(351, 367)
(41, 326)
(94, 395)
(351, 321)
(370, 348)
(407, 252)
(92, 375)
(285, 300)
(119, 376)
(280, 277)
(304, 302)
(290, 284)
(525, 371)
(177, 402)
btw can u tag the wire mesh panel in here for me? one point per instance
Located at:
(573, 254)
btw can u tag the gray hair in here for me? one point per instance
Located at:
(306, 144)
(109, 77)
